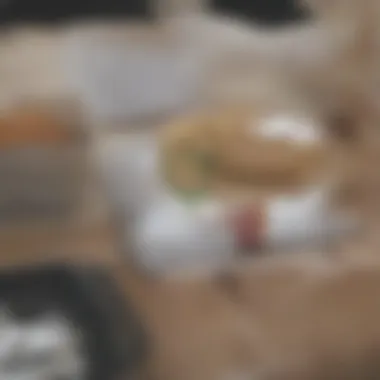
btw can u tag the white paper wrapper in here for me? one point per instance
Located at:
(304, 221)
(173, 235)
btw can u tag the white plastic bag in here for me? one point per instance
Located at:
(131, 77)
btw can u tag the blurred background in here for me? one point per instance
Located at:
(49, 205)
(85, 86)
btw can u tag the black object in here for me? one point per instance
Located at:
(267, 12)
(67, 10)
(114, 342)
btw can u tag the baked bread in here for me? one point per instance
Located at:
(243, 151)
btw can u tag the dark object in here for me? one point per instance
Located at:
(67, 10)
(267, 12)
(113, 339)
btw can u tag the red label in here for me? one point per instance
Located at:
(248, 227)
